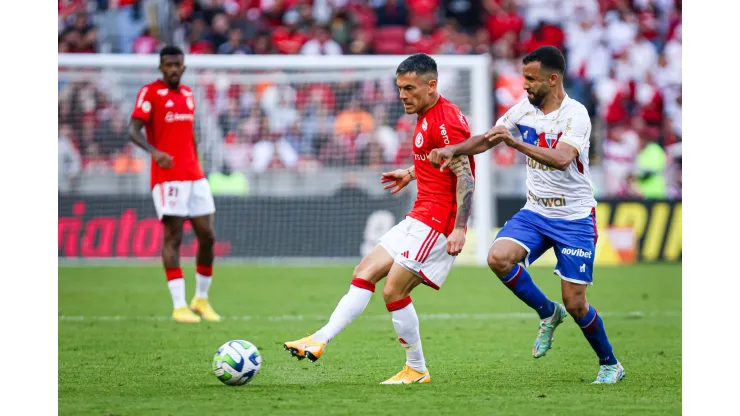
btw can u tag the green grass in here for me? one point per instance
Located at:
(480, 361)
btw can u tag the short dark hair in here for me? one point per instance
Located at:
(549, 57)
(421, 64)
(170, 50)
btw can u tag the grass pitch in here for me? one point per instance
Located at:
(120, 354)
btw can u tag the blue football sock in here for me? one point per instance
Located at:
(520, 282)
(593, 329)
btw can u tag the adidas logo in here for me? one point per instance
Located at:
(405, 254)
(169, 103)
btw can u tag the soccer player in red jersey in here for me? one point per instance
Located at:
(422, 247)
(166, 109)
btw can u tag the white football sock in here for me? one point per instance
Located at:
(202, 284)
(177, 290)
(350, 307)
(406, 323)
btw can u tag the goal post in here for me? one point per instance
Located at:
(94, 86)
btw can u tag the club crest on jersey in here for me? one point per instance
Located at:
(419, 140)
(424, 125)
(163, 91)
(549, 139)
(190, 103)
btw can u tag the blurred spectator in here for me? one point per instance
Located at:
(234, 45)
(228, 182)
(263, 44)
(649, 173)
(543, 35)
(230, 119)
(69, 160)
(423, 36)
(390, 12)
(80, 37)
(620, 149)
(220, 32)
(321, 43)
(145, 43)
(272, 151)
(341, 28)
(287, 39)
(353, 119)
(465, 12)
(127, 161)
(502, 19)
(112, 134)
(94, 161)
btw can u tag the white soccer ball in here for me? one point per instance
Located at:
(237, 362)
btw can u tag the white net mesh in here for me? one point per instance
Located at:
(293, 156)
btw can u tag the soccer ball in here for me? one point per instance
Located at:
(237, 362)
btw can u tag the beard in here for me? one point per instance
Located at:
(537, 98)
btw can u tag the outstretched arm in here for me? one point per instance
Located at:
(398, 179)
(473, 146)
(442, 156)
(559, 157)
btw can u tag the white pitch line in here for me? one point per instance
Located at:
(423, 317)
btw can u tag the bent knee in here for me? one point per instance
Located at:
(576, 306)
(501, 261)
(393, 293)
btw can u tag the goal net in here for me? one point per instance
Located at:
(292, 146)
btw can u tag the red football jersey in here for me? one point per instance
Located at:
(168, 117)
(436, 201)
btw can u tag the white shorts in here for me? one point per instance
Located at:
(183, 199)
(418, 248)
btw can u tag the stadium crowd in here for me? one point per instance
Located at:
(623, 59)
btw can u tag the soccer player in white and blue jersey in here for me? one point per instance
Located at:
(553, 131)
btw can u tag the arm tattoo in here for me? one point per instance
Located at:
(411, 172)
(460, 166)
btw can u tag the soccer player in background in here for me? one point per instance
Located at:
(166, 109)
(553, 131)
(422, 247)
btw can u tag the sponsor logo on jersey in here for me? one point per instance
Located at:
(146, 106)
(163, 91)
(578, 252)
(546, 202)
(537, 165)
(443, 131)
(422, 156)
(171, 117)
(419, 140)
(424, 124)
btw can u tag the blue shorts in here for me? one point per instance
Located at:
(574, 242)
